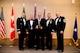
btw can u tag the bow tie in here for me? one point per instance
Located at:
(31, 19)
(49, 19)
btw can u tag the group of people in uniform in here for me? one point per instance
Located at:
(35, 30)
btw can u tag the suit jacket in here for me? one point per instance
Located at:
(29, 25)
(51, 25)
(20, 24)
(42, 23)
(61, 23)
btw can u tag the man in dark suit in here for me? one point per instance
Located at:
(31, 30)
(40, 30)
(49, 31)
(60, 24)
(21, 29)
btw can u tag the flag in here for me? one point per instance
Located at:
(2, 26)
(12, 27)
(35, 11)
(24, 12)
(44, 13)
(75, 33)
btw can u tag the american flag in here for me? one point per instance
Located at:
(2, 27)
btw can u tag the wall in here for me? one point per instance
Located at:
(66, 8)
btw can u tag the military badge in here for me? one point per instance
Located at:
(64, 20)
(20, 23)
(20, 19)
(50, 21)
(59, 20)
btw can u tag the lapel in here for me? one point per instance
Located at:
(50, 21)
(59, 20)
(21, 20)
(56, 18)
(30, 24)
(39, 21)
(24, 21)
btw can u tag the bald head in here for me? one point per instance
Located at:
(31, 17)
(23, 15)
(39, 15)
(57, 14)
(49, 15)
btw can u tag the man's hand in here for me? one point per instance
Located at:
(41, 27)
(37, 27)
(27, 32)
(52, 32)
(19, 32)
(61, 32)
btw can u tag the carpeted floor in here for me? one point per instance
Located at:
(14, 49)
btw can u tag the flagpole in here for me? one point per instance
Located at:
(77, 30)
(11, 41)
(35, 10)
(75, 33)
(73, 1)
(44, 8)
(2, 31)
(0, 34)
(0, 43)
(44, 12)
(75, 15)
(23, 4)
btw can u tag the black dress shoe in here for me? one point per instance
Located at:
(21, 49)
(43, 49)
(50, 48)
(62, 50)
(47, 48)
(36, 49)
(57, 49)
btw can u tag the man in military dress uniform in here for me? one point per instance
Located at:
(21, 29)
(31, 30)
(40, 30)
(49, 31)
(60, 24)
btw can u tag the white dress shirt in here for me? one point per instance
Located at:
(47, 22)
(31, 23)
(39, 21)
(57, 20)
(24, 22)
